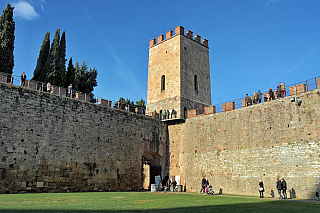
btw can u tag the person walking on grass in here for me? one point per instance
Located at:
(261, 188)
(203, 184)
(284, 188)
(279, 188)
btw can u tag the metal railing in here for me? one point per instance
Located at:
(61, 91)
(310, 84)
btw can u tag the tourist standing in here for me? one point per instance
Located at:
(255, 98)
(247, 100)
(203, 184)
(69, 90)
(271, 94)
(259, 96)
(283, 89)
(279, 188)
(23, 79)
(49, 87)
(284, 188)
(279, 92)
(261, 188)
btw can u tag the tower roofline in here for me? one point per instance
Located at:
(179, 31)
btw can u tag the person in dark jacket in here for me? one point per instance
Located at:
(259, 96)
(271, 94)
(279, 188)
(247, 100)
(261, 188)
(284, 188)
(203, 184)
(279, 92)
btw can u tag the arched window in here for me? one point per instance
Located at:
(196, 87)
(163, 82)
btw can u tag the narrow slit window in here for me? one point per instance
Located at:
(196, 87)
(163, 82)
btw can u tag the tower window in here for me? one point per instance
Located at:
(163, 82)
(196, 87)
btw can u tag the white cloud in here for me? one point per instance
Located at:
(24, 10)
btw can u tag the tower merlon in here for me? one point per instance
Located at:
(197, 38)
(189, 34)
(152, 42)
(205, 42)
(169, 34)
(160, 38)
(179, 30)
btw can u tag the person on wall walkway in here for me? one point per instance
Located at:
(279, 188)
(23, 79)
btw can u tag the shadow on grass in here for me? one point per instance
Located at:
(267, 206)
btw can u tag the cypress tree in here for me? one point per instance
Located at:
(70, 76)
(62, 58)
(40, 73)
(7, 28)
(53, 62)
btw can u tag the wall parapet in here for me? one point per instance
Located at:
(179, 31)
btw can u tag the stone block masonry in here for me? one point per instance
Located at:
(50, 143)
(235, 149)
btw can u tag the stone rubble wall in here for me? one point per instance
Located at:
(265, 141)
(50, 143)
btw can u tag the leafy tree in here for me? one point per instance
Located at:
(85, 80)
(40, 73)
(70, 76)
(139, 103)
(7, 28)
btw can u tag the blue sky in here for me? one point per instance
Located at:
(253, 44)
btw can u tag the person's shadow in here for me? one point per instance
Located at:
(220, 191)
(292, 193)
(272, 193)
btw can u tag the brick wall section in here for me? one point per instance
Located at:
(228, 106)
(235, 149)
(298, 89)
(68, 145)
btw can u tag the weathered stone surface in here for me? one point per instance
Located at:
(234, 149)
(49, 143)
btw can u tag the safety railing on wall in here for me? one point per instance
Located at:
(73, 94)
(292, 89)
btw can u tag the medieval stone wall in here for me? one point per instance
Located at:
(50, 143)
(237, 148)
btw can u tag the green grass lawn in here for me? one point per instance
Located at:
(145, 202)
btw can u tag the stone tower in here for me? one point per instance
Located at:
(178, 73)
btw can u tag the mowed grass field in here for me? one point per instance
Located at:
(146, 202)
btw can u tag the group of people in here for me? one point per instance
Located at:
(281, 186)
(166, 114)
(123, 105)
(257, 96)
(206, 188)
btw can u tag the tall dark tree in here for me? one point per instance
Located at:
(62, 58)
(53, 61)
(7, 28)
(40, 73)
(70, 76)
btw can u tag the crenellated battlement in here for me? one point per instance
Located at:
(179, 31)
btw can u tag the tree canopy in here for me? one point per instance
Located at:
(7, 28)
